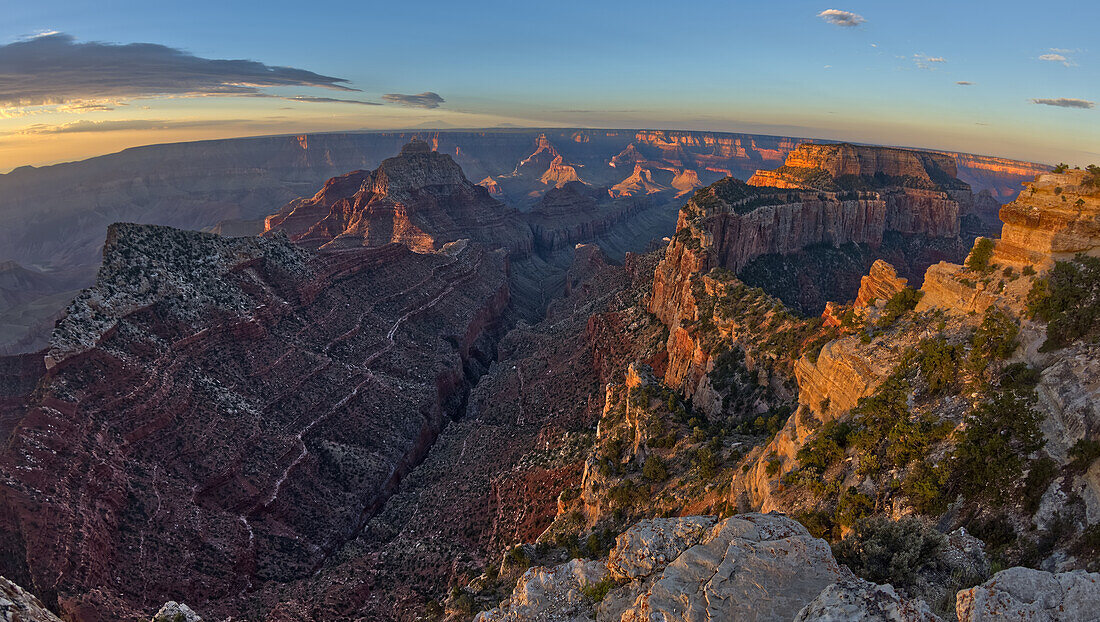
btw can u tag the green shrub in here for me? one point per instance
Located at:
(825, 448)
(1000, 434)
(626, 494)
(1092, 177)
(654, 469)
(817, 522)
(899, 304)
(1042, 472)
(705, 463)
(994, 339)
(596, 592)
(852, 506)
(1068, 300)
(938, 363)
(980, 255)
(773, 465)
(1019, 377)
(924, 486)
(1028, 270)
(1061, 168)
(517, 557)
(1083, 453)
(885, 551)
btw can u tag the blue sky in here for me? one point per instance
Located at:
(775, 67)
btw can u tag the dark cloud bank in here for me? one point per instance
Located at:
(55, 69)
(427, 99)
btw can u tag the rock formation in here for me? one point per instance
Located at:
(1054, 218)
(879, 285)
(16, 605)
(1026, 594)
(420, 198)
(831, 194)
(863, 601)
(176, 612)
(234, 416)
(748, 567)
(57, 215)
(575, 213)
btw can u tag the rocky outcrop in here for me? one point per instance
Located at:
(144, 264)
(1054, 218)
(920, 190)
(420, 198)
(1033, 595)
(845, 164)
(649, 546)
(879, 285)
(749, 567)
(17, 605)
(550, 594)
(240, 419)
(863, 601)
(760, 567)
(176, 612)
(641, 182)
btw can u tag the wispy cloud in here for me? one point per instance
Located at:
(53, 68)
(86, 126)
(964, 83)
(847, 19)
(1065, 102)
(426, 99)
(322, 100)
(1059, 55)
(924, 61)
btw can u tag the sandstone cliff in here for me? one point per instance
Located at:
(836, 194)
(1054, 218)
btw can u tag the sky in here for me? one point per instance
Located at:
(997, 77)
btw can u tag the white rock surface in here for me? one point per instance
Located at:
(19, 605)
(550, 594)
(176, 612)
(651, 544)
(863, 601)
(750, 567)
(1023, 594)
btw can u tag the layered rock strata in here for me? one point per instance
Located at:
(880, 284)
(237, 420)
(420, 198)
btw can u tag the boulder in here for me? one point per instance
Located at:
(863, 601)
(750, 567)
(176, 612)
(1032, 595)
(550, 594)
(18, 605)
(650, 545)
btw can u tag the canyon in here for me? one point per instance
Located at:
(416, 397)
(59, 214)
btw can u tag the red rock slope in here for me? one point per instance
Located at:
(420, 198)
(220, 412)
